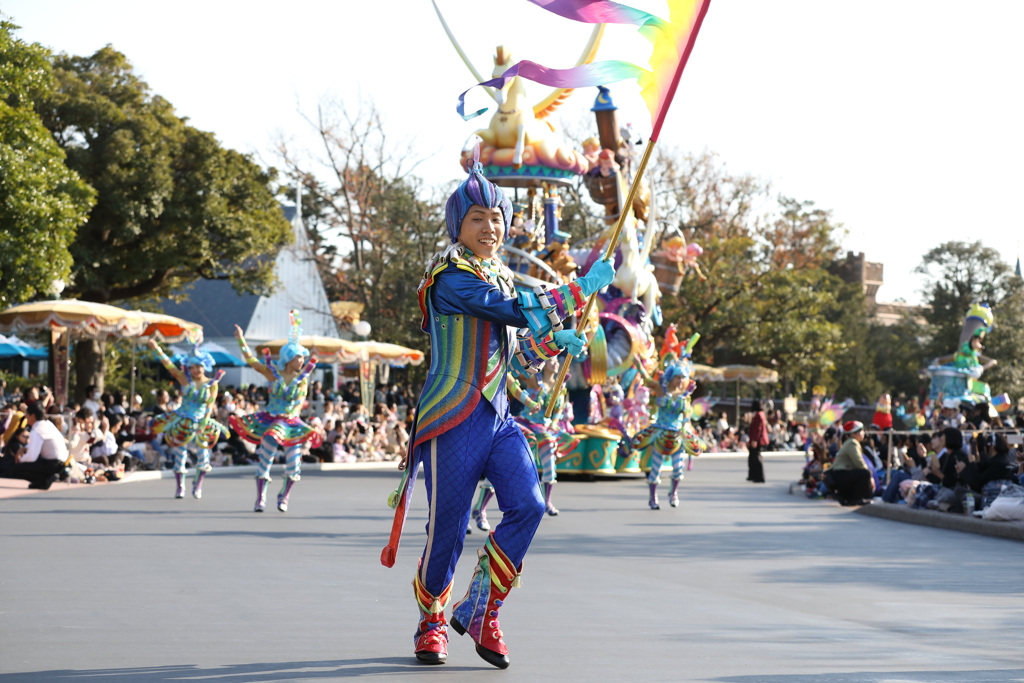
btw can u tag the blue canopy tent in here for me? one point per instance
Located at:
(23, 351)
(16, 356)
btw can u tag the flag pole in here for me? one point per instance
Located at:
(613, 244)
(702, 10)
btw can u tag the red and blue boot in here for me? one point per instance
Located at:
(477, 613)
(432, 633)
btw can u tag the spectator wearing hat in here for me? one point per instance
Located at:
(849, 481)
(758, 439)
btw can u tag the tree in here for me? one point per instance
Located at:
(899, 355)
(173, 206)
(769, 298)
(1006, 344)
(854, 374)
(42, 202)
(371, 220)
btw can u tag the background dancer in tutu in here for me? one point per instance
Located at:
(547, 436)
(279, 424)
(671, 435)
(193, 421)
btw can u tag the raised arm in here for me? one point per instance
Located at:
(269, 366)
(251, 359)
(307, 369)
(649, 382)
(175, 371)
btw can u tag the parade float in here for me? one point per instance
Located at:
(955, 379)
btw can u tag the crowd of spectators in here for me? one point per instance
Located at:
(970, 461)
(108, 434)
(953, 459)
(782, 434)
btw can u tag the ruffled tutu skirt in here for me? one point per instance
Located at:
(287, 431)
(534, 432)
(667, 443)
(179, 430)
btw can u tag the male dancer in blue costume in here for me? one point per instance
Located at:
(476, 320)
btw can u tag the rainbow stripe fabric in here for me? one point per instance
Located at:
(671, 40)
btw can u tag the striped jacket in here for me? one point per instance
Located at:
(474, 340)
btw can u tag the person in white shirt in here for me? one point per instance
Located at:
(45, 441)
(723, 424)
(45, 453)
(92, 400)
(105, 447)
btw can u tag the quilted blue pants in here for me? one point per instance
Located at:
(483, 444)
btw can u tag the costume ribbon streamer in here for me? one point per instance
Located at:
(672, 43)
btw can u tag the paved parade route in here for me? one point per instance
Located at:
(741, 583)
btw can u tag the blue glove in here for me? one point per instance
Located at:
(598, 277)
(567, 339)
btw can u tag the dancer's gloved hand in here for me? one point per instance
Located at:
(598, 277)
(567, 340)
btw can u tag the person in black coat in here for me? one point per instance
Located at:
(952, 442)
(993, 464)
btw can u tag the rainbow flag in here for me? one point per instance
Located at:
(672, 42)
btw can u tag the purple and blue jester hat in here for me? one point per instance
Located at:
(476, 189)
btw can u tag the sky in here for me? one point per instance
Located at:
(903, 118)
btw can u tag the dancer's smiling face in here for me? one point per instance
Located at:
(483, 231)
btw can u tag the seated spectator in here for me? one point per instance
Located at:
(990, 470)
(104, 448)
(42, 459)
(722, 426)
(338, 452)
(849, 480)
(915, 458)
(124, 434)
(832, 442)
(82, 434)
(814, 471)
(147, 445)
(360, 439)
(117, 406)
(136, 407)
(15, 421)
(13, 449)
(950, 441)
(40, 393)
(162, 399)
(325, 451)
